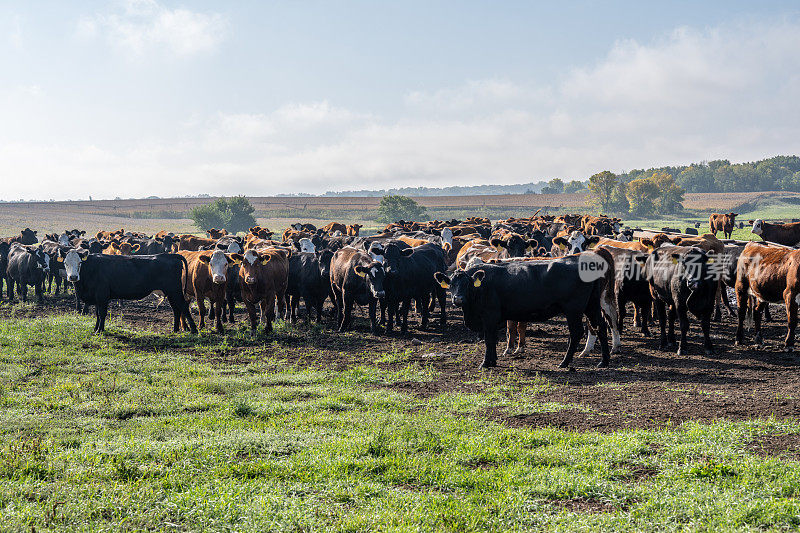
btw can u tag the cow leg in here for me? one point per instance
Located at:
(705, 324)
(201, 307)
(421, 303)
(610, 311)
(575, 324)
(672, 315)
(281, 298)
(645, 312)
(490, 341)
(403, 316)
(347, 316)
(101, 311)
(441, 295)
(758, 311)
(742, 299)
(10, 287)
(180, 308)
(511, 337)
(39, 289)
(683, 321)
(231, 303)
(251, 312)
(216, 305)
(373, 316)
(521, 327)
(389, 311)
(790, 298)
(767, 314)
(338, 303)
(661, 311)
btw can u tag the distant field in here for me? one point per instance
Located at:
(152, 215)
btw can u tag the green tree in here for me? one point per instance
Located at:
(642, 195)
(574, 186)
(554, 186)
(670, 195)
(233, 214)
(394, 207)
(605, 191)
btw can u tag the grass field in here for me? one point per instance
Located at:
(142, 430)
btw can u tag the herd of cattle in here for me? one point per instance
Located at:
(501, 274)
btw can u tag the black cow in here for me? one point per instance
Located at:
(309, 279)
(27, 265)
(53, 249)
(100, 278)
(630, 285)
(680, 282)
(409, 276)
(356, 278)
(4, 248)
(530, 291)
(156, 245)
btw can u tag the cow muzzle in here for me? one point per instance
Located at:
(73, 278)
(250, 280)
(218, 279)
(457, 301)
(379, 294)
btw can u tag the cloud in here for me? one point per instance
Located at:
(724, 92)
(144, 26)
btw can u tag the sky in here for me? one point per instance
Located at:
(133, 98)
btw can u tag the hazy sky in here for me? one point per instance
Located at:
(144, 97)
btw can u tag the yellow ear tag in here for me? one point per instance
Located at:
(529, 248)
(84, 258)
(444, 285)
(476, 283)
(264, 261)
(674, 261)
(60, 259)
(562, 246)
(362, 274)
(710, 260)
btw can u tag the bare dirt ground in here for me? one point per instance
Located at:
(644, 387)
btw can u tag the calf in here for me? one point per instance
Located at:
(513, 244)
(309, 279)
(354, 229)
(99, 278)
(722, 222)
(215, 233)
(206, 274)
(356, 278)
(769, 274)
(410, 276)
(630, 285)
(121, 248)
(679, 283)
(786, 234)
(529, 291)
(27, 265)
(263, 276)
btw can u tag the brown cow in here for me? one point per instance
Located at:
(770, 274)
(786, 234)
(26, 237)
(263, 277)
(261, 232)
(334, 227)
(353, 229)
(722, 222)
(291, 234)
(121, 248)
(207, 276)
(108, 235)
(215, 233)
(192, 243)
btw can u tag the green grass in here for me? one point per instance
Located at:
(141, 430)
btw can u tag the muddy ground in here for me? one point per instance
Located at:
(644, 387)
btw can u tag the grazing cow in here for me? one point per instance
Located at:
(98, 278)
(263, 277)
(722, 222)
(121, 248)
(691, 231)
(769, 274)
(786, 234)
(356, 278)
(309, 279)
(27, 265)
(215, 233)
(409, 276)
(206, 274)
(679, 283)
(530, 291)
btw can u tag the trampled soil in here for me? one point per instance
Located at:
(644, 387)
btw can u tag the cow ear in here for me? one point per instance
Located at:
(592, 241)
(533, 244)
(442, 280)
(205, 258)
(407, 252)
(136, 247)
(361, 271)
(648, 243)
(674, 258)
(265, 259)
(477, 278)
(560, 242)
(446, 246)
(237, 258)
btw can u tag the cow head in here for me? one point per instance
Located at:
(461, 284)
(63, 239)
(758, 227)
(218, 264)
(374, 275)
(28, 236)
(576, 242)
(392, 257)
(306, 245)
(514, 244)
(376, 251)
(72, 263)
(251, 264)
(324, 259)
